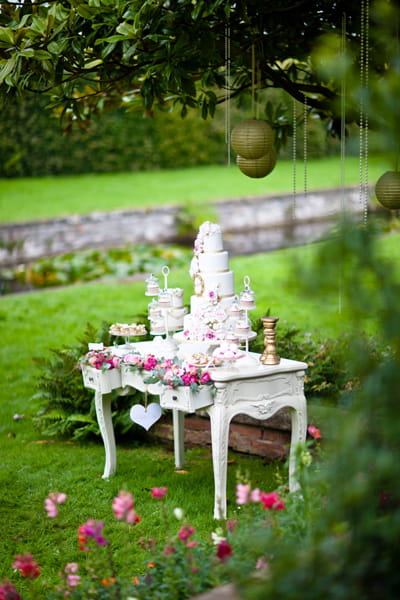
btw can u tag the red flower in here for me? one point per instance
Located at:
(314, 432)
(224, 550)
(158, 492)
(26, 565)
(272, 501)
(8, 592)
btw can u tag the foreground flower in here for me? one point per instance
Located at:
(185, 532)
(314, 432)
(91, 529)
(242, 493)
(272, 501)
(123, 508)
(224, 550)
(52, 501)
(26, 565)
(8, 592)
(158, 492)
(72, 578)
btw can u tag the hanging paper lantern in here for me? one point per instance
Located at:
(387, 190)
(257, 167)
(252, 138)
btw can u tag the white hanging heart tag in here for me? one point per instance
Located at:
(145, 416)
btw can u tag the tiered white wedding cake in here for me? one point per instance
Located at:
(209, 318)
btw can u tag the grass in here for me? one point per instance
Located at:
(32, 323)
(35, 198)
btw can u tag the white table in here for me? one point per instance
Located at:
(249, 388)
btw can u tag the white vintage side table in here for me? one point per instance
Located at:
(250, 388)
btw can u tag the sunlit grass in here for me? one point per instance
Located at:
(45, 197)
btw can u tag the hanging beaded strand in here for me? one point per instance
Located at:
(227, 92)
(305, 148)
(364, 69)
(294, 157)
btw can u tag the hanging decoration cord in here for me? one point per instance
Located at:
(227, 92)
(343, 115)
(253, 80)
(305, 146)
(294, 158)
(364, 70)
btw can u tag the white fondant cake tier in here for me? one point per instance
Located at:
(213, 262)
(220, 283)
(212, 242)
(198, 304)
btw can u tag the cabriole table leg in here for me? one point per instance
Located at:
(104, 419)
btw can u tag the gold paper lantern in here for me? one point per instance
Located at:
(257, 167)
(252, 138)
(387, 190)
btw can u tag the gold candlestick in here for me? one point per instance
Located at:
(269, 356)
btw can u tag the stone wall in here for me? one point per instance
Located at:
(275, 222)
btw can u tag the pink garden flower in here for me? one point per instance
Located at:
(272, 501)
(72, 579)
(242, 493)
(158, 492)
(26, 565)
(91, 529)
(314, 432)
(52, 501)
(123, 508)
(255, 495)
(185, 532)
(8, 591)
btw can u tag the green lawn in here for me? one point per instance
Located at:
(46, 197)
(33, 465)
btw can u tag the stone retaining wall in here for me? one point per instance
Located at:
(275, 221)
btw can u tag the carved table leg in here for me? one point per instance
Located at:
(178, 420)
(219, 422)
(299, 432)
(103, 413)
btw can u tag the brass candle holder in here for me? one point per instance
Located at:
(269, 356)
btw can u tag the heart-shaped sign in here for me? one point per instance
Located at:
(145, 416)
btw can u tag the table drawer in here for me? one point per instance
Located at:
(101, 381)
(186, 400)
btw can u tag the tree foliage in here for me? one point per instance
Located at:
(90, 54)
